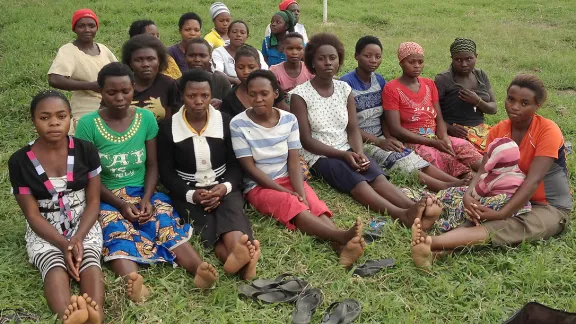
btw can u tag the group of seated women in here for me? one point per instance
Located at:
(215, 140)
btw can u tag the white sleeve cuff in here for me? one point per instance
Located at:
(189, 196)
(228, 187)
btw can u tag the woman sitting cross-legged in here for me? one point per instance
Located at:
(56, 182)
(203, 177)
(414, 117)
(542, 159)
(139, 225)
(267, 143)
(331, 140)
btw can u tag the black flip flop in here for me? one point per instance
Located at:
(286, 281)
(344, 312)
(275, 296)
(306, 306)
(371, 267)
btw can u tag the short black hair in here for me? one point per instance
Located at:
(139, 27)
(532, 82)
(145, 41)
(294, 35)
(198, 40)
(189, 16)
(239, 22)
(45, 94)
(266, 75)
(365, 41)
(195, 75)
(317, 41)
(114, 69)
(247, 51)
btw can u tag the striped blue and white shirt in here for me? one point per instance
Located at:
(267, 146)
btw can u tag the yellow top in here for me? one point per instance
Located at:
(172, 70)
(214, 39)
(192, 128)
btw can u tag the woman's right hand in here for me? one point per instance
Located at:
(351, 158)
(456, 131)
(442, 146)
(469, 209)
(390, 144)
(130, 212)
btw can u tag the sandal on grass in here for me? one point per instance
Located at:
(371, 267)
(306, 306)
(287, 282)
(268, 296)
(344, 312)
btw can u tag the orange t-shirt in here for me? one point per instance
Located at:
(543, 138)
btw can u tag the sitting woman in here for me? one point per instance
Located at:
(223, 57)
(56, 182)
(542, 159)
(190, 27)
(388, 152)
(282, 22)
(202, 175)
(198, 57)
(331, 140)
(146, 56)
(140, 27)
(293, 6)
(466, 95)
(139, 225)
(221, 18)
(237, 100)
(413, 116)
(275, 186)
(76, 66)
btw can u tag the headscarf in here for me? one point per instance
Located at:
(84, 13)
(288, 17)
(217, 8)
(286, 3)
(462, 45)
(408, 48)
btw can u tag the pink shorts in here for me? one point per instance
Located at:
(284, 206)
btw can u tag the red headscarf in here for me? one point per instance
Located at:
(83, 13)
(285, 4)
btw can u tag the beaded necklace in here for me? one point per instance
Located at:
(131, 131)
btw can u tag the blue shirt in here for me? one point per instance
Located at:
(274, 57)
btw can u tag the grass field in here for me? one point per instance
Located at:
(473, 286)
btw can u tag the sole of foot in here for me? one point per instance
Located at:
(94, 314)
(420, 246)
(250, 270)
(352, 251)
(77, 311)
(206, 275)
(136, 290)
(241, 254)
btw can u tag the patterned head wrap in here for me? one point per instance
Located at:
(217, 8)
(408, 48)
(290, 20)
(462, 45)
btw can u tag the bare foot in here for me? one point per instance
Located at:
(416, 210)
(136, 290)
(352, 251)
(94, 314)
(77, 312)
(250, 270)
(206, 275)
(240, 256)
(431, 213)
(420, 246)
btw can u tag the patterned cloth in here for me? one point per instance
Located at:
(465, 155)
(477, 136)
(406, 160)
(408, 48)
(148, 242)
(462, 45)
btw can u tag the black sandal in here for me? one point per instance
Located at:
(306, 306)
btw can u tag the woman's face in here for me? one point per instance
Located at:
(221, 23)
(191, 29)
(238, 34)
(464, 62)
(86, 29)
(262, 95)
(198, 56)
(152, 30)
(294, 49)
(295, 10)
(277, 25)
(117, 92)
(413, 65)
(144, 62)
(370, 58)
(196, 98)
(245, 65)
(52, 119)
(520, 104)
(326, 61)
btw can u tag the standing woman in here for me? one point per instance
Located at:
(466, 95)
(56, 182)
(139, 225)
(200, 170)
(223, 57)
(414, 117)
(282, 22)
(76, 66)
(221, 18)
(189, 27)
(146, 56)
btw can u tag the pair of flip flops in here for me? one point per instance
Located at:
(371, 267)
(284, 289)
(337, 313)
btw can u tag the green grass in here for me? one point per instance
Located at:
(473, 286)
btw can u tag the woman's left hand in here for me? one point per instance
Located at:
(469, 96)
(486, 213)
(146, 210)
(211, 200)
(362, 161)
